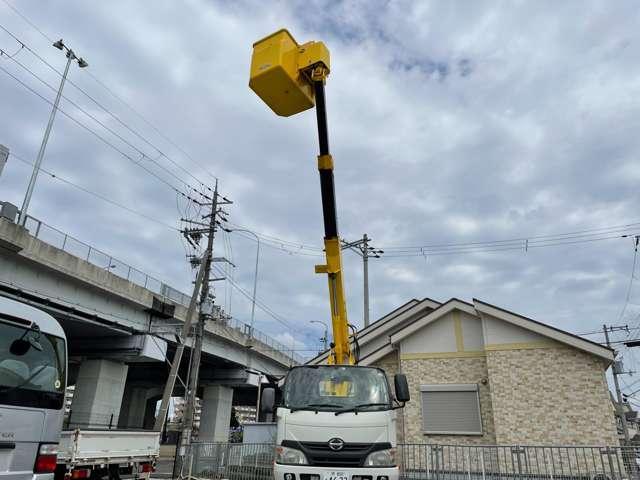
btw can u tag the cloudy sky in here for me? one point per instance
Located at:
(450, 123)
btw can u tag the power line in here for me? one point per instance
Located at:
(274, 239)
(97, 135)
(523, 247)
(33, 25)
(109, 90)
(156, 129)
(518, 240)
(259, 303)
(279, 246)
(97, 195)
(594, 332)
(521, 244)
(110, 130)
(102, 107)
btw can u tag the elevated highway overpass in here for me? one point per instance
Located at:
(122, 328)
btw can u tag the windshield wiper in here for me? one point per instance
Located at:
(355, 408)
(310, 406)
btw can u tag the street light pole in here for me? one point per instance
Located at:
(36, 167)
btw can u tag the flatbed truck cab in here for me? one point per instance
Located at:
(336, 422)
(33, 359)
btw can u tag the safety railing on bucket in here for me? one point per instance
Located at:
(239, 461)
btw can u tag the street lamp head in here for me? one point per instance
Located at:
(59, 44)
(82, 63)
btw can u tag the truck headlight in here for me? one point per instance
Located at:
(290, 456)
(381, 458)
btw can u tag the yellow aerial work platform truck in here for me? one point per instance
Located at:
(335, 421)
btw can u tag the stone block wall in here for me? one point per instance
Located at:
(442, 371)
(550, 396)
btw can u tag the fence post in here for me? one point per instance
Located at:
(517, 451)
(110, 421)
(608, 452)
(89, 253)
(64, 242)
(256, 448)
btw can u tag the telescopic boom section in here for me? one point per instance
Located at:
(341, 351)
(290, 78)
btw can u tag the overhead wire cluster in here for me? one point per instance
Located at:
(522, 244)
(191, 192)
(168, 177)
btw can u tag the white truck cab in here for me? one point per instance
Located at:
(33, 361)
(336, 422)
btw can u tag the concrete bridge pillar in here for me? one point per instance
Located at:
(134, 404)
(216, 413)
(139, 406)
(98, 394)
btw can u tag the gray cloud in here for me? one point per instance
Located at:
(449, 122)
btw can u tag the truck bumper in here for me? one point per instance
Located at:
(305, 472)
(25, 476)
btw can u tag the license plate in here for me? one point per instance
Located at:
(336, 476)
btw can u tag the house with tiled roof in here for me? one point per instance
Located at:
(480, 374)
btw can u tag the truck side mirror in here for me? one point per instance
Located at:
(268, 400)
(402, 387)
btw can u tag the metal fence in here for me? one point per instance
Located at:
(238, 461)
(78, 248)
(232, 461)
(454, 462)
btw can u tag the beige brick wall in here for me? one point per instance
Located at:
(443, 371)
(550, 396)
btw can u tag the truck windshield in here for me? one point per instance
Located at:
(335, 388)
(32, 368)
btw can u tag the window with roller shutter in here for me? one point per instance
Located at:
(451, 409)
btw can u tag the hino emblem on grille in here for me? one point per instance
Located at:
(336, 444)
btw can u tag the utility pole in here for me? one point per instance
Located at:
(362, 248)
(324, 338)
(616, 372)
(192, 390)
(205, 311)
(36, 167)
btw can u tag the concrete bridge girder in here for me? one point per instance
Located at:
(83, 294)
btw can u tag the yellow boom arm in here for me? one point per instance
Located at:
(290, 78)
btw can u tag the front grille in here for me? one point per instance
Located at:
(351, 455)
